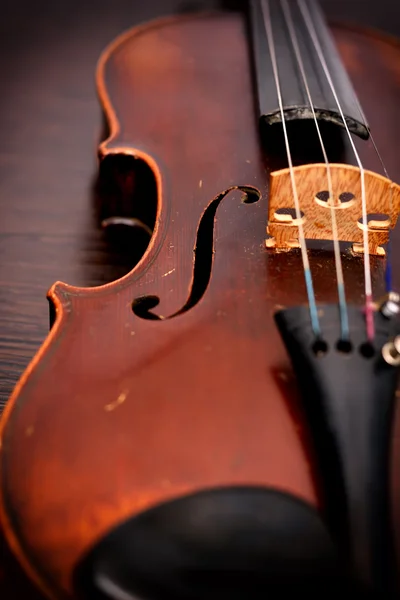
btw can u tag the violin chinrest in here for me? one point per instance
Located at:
(238, 542)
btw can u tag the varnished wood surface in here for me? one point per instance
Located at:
(103, 361)
(50, 123)
(50, 129)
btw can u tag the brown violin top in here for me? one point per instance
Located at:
(216, 317)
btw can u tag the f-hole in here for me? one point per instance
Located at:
(203, 258)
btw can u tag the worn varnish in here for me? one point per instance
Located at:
(234, 219)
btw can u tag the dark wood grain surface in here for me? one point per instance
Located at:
(50, 126)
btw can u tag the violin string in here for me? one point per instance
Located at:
(344, 320)
(388, 269)
(369, 307)
(306, 265)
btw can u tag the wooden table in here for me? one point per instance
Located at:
(50, 126)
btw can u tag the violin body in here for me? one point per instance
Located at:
(174, 379)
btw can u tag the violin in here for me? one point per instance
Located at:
(218, 423)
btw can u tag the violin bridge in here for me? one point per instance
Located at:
(316, 204)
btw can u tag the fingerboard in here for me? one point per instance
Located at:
(332, 93)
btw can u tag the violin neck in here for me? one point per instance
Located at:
(308, 66)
